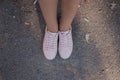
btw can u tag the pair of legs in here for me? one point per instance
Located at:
(49, 10)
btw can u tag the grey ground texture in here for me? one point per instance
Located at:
(96, 36)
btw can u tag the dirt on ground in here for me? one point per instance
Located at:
(96, 36)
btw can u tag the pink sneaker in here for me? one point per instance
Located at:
(65, 44)
(50, 44)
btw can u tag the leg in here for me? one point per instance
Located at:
(49, 10)
(69, 8)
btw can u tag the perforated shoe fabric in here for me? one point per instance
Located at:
(65, 44)
(50, 45)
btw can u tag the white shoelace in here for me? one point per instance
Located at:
(66, 37)
(51, 43)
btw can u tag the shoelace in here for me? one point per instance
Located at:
(52, 41)
(66, 37)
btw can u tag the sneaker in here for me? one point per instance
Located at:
(65, 44)
(50, 45)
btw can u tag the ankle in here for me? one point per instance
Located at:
(55, 30)
(64, 27)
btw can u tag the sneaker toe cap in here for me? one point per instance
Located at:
(66, 53)
(49, 55)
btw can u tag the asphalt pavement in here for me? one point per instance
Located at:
(96, 36)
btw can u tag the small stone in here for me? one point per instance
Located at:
(27, 23)
(35, 1)
(78, 6)
(87, 37)
(68, 68)
(14, 17)
(113, 5)
(86, 19)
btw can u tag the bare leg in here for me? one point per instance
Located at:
(69, 8)
(49, 10)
